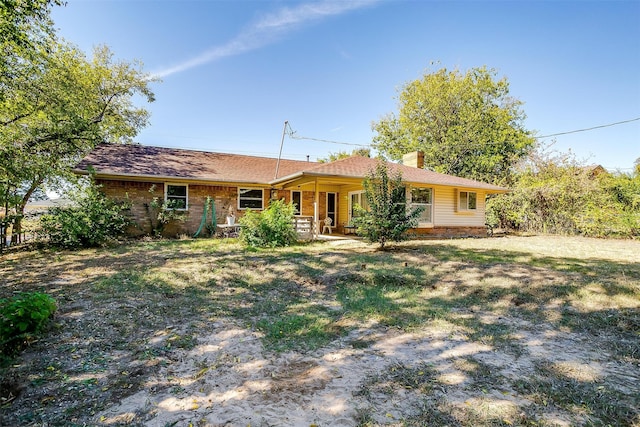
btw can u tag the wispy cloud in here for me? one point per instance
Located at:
(269, 29)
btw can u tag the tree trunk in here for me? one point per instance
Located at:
(16, 236)
(17, 229)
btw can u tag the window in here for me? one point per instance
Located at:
(423, 197)
(296, 199)
(467, 200)
(176, 196)
(400, 193)
(250, 198)
(357, 198)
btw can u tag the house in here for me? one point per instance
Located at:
(453, 206)
(593, 170)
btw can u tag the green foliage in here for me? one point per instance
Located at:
(362, 152)
(387, 217)
(273, 227)
(93, 220)
(465, 124)
(56, 110)
(25, 27)
(21, 317)
(555, 194)
(161, 212)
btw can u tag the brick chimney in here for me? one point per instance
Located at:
(414, 159)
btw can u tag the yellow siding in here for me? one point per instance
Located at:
(343, 202)
(444, 209)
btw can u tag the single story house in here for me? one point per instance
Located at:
(453, 206)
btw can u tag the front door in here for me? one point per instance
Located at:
(331, 207)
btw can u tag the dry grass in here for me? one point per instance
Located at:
(514, 331)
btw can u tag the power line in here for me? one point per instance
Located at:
(292, 135)
(587, 129)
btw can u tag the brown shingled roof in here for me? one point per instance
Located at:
(139, 161)
(133, 160)
(359, 167)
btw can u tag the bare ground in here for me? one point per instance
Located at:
(166, 349)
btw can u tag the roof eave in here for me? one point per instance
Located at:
(287, 178)
(276, 182)
(141, 177)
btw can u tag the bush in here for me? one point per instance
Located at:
(93, 220)
(21, 317)
(161, 213)
(272, 227)
(558, 195)
(387, 218)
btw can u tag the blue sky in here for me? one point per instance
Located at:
(234, 71)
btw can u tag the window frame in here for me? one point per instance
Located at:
(167, 197)
(466, 207)
(361, 196)
(298, 211)
(428, 206)
(240, 198)
(335, 211)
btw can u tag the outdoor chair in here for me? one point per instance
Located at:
(327, 225)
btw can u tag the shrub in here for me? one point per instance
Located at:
(272, 227)
(21, 317)
(161, 212)
(387, 217)
(93, 220)
(558, 195)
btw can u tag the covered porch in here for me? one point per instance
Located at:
(323, 205)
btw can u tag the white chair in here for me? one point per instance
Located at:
(327, 225)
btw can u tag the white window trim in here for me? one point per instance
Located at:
(430, 205)
(361, 192)
(177, 184)
(251, 188)
(466, 208)
(299, 207)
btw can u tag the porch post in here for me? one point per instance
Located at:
(316, 208)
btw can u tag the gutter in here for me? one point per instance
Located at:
(162, 178)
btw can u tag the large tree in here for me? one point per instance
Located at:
(465, 123)
(66, 105)
(25, 30)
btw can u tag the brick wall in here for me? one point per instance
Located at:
(140, 197)
(449, 232)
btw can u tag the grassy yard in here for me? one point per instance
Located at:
(529, 331)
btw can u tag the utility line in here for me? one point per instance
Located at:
(587, 129)
(292, 134)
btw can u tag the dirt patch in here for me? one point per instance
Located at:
(242, 384)
(171, 334)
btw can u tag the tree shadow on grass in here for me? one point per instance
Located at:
(137, 307)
